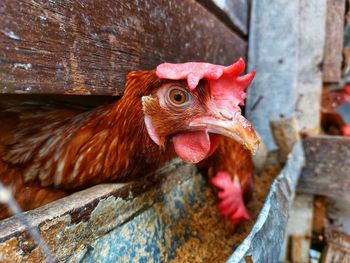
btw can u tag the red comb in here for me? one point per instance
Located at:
(225, 83)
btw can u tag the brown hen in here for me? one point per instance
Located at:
(48, 151)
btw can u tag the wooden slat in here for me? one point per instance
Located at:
(334, 41)
(87, 47)
(327, 170)
(234, 13)
(337, 249)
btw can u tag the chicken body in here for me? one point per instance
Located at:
(47, 152)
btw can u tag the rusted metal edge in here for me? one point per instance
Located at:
(71, 223)
(264, 243)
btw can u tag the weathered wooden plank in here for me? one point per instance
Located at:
(87, 47)
(327, 169)
(285, 132)
(273, 54)
(70, 224)
(312, 35)
(334, 40)
(337, 249)
(234, 13)
(285, 50)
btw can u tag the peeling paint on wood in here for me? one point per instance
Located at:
(87, 47)
(312, 35)
(70, 224)
(155, 234)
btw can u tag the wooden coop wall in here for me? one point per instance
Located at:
(86, 48)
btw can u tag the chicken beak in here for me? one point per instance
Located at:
(237, 128)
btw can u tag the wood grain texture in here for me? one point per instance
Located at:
(337, 249)
(334, 40)
(87, 47)
(327, 169)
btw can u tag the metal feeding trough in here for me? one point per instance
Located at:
(144, 221)
(264, 242)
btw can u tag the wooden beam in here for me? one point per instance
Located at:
(234, 13)
(87, 47)
(327, 169)
(334, 41)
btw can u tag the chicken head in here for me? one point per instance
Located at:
(199, 103)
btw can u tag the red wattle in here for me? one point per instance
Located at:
(193, 147)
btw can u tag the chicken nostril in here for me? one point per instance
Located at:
(226, 114)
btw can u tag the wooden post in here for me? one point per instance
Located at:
(286, 43)
(334, 41)
(312, 35)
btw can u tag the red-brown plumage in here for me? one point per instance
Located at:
(51, 151)
(57, 148)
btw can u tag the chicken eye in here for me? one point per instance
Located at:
(178, 96)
